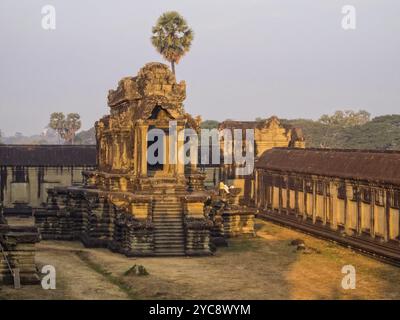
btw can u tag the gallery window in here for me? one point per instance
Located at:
(342, 191)
(20, 174)
(366, 195)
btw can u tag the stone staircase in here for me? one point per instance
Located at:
(169, 237)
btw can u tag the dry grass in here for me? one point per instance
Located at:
(265, 267)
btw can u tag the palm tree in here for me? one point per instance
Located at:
(172, 37)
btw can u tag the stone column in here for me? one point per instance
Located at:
(143, 149)
(333, 191)
(314, 201)
(372, 213)
(166, 169)
(280, 194)
(124, 153)
(136, 148)
(349, 196)
(325, 203)
(272, 191)
(179, 161)
(386, 223)
(287, 194)
(304, 199)
(296, 197)
(359, 216)
(116, 153)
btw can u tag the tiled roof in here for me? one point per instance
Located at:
(369, 165)
(47, 155)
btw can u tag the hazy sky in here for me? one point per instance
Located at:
(249, 58)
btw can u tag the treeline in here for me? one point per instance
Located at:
(381, 133)
(343, 129)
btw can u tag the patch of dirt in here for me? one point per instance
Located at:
(264, 267)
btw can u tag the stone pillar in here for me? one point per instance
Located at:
(372, 213)
(359, 216)
(296, 197)
(314, 202)
(347, 212)
(179, 160)
(287, 195)
(280, 194)
(136, 148)
(386, 223)
(304, 199)
(333, 191)
(124, 153)
(325, 203)
(272, 191)
(143, 149)
(116, 160)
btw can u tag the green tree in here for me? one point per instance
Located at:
(209, 124)
(346, 118)
(57, 123)
(66, 127)
(172, 37)
(72, 125)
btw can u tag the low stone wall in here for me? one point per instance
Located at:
(238, 222)
(90, 218)
(197, 236)
(87, 216)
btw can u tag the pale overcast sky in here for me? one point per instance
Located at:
(250, 58)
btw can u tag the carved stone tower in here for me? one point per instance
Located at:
(130, 203)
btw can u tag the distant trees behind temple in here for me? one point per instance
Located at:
(65, 126)
(86, 137)
(351, 132)
(209, 124)
(347, 118)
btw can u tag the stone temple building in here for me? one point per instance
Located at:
(27, 171)
(350, 196)
(268, 134)
(128, 204)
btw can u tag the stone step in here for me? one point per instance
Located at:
(167, 213)
(167, 209)
(168, 227)
(169, 219)
(167, 206)
(169, 244)
(166, 203)
(166, 220)
(169, 248)
(167, 236)
(169, 253)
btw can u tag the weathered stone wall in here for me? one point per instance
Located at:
(344, 209)
(238, 222)
(26, 187)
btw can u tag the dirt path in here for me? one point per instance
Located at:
(75, 279)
